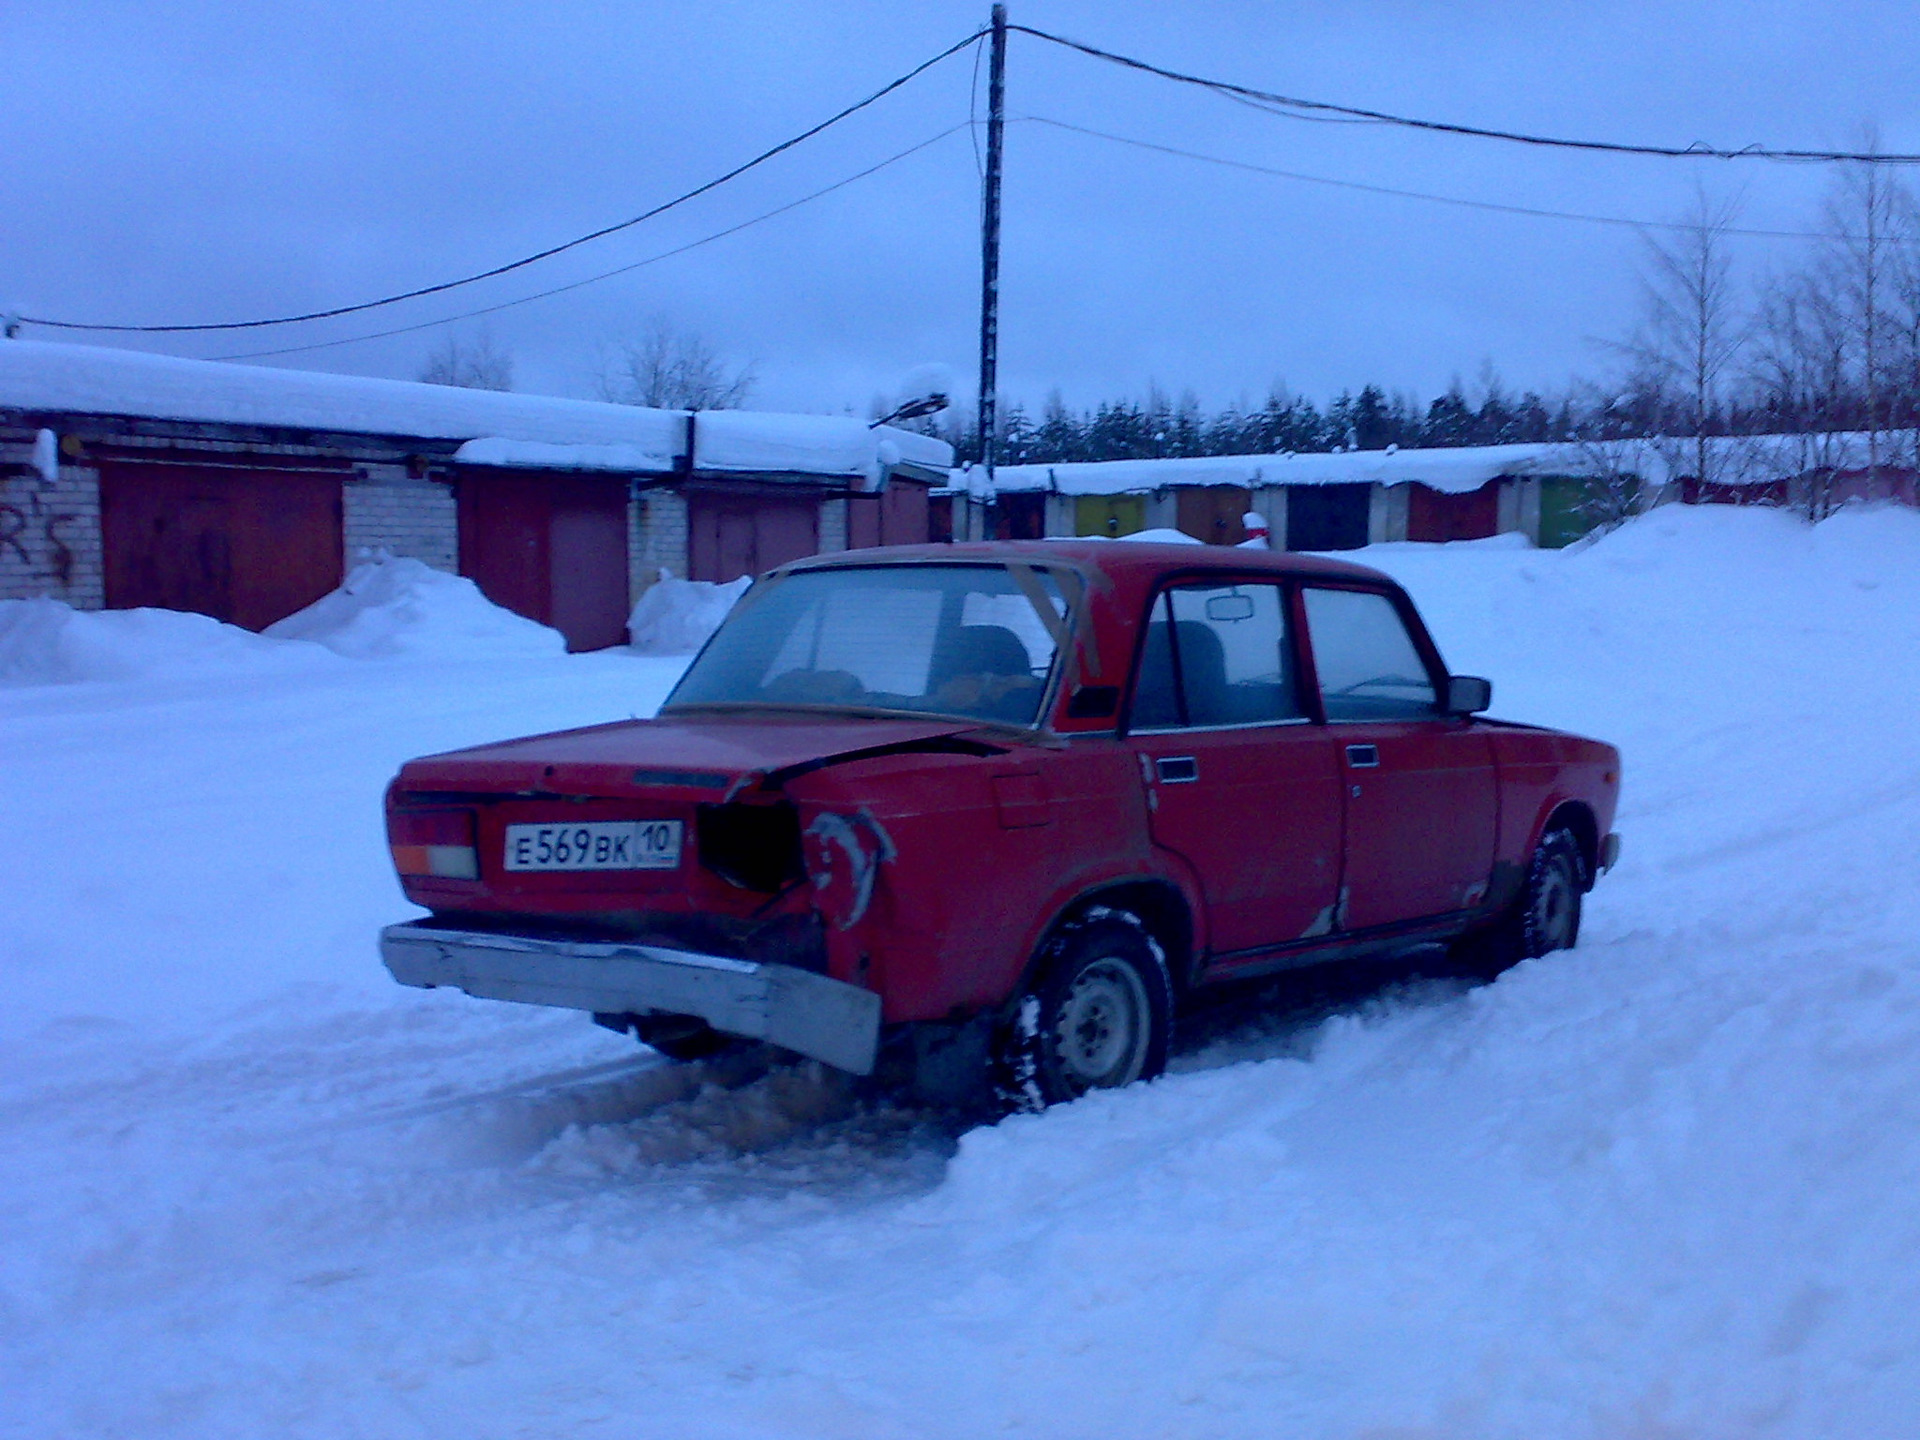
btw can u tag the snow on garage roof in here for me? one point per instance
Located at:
(1763, 459)
(1457, 471)
(56, 379)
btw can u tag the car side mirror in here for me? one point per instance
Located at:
(1468, 694)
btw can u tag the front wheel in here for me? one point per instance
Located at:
(1545, 917)
(1100, 1017)
(1556, 879)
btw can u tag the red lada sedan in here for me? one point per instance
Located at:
(998, 810)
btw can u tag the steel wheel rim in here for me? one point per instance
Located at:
(1553, 910)
(1101, 1038)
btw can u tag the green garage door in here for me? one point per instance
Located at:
(1570, 507)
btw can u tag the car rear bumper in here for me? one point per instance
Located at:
(797, 1009)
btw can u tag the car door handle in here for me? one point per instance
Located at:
(1177, 769)
(1363, 757)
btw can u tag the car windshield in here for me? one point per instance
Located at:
(963, 640)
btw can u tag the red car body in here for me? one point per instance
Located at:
(922, 862)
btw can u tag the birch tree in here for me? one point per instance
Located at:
(1684, 356)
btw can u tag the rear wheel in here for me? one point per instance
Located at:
(1099, 1018)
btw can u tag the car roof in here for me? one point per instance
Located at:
(1137, 561)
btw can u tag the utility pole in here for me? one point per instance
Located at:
(990, 243)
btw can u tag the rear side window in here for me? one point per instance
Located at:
(1368, 665)
(1215, 655)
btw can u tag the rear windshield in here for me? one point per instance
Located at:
(976, 641)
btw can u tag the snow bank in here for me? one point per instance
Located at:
(675, 617)
(391, 607)
(1162, 536)
(48, 642)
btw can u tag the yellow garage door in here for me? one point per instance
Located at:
(1109, 514)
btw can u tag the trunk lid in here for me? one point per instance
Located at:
(704, 753)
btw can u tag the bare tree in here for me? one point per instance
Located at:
(1684, 356)
(1862, 219)
(1903, 333)
(474, 363)
(672, 369)
(1801, 372)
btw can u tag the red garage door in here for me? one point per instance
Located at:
(733, 535)
(550, 547)
(1020, 516)
(1432, 515)
(245, 546)
(896, 516)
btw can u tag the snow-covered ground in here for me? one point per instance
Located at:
(1661, 1186)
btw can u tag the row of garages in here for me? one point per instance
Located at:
(245, 493)
(1307, 502)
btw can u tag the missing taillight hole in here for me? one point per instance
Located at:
(756, 847)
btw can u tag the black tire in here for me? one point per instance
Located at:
(1544, 917)
(1550, 905)
(1100, 1016)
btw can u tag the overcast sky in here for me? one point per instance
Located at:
(214, 161)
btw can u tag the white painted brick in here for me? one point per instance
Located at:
(833, 526)
(656, 539)
(50, 538)
(417, 519)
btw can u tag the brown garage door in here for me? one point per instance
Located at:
(246, 546)
(1213, 512)
(550, 547)
(733, 535)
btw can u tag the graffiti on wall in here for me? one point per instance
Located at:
(32, 533)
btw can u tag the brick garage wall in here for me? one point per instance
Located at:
(656, 538)
(416, 519)
(50, 534)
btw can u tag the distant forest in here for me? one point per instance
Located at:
(1369, 420)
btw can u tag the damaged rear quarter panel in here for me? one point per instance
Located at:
(986, 850)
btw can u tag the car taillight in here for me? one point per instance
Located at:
(433, 842)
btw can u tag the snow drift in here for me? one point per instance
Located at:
(48, 642)
(390, 607)
(675, 617)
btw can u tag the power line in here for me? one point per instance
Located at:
(608, 274)
(1322, 108)
(1493, 205)
(538, 256)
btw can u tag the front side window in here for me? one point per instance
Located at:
(1368, 665)
(967, 640)
(1215, 655)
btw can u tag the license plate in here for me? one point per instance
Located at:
(595, 845)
